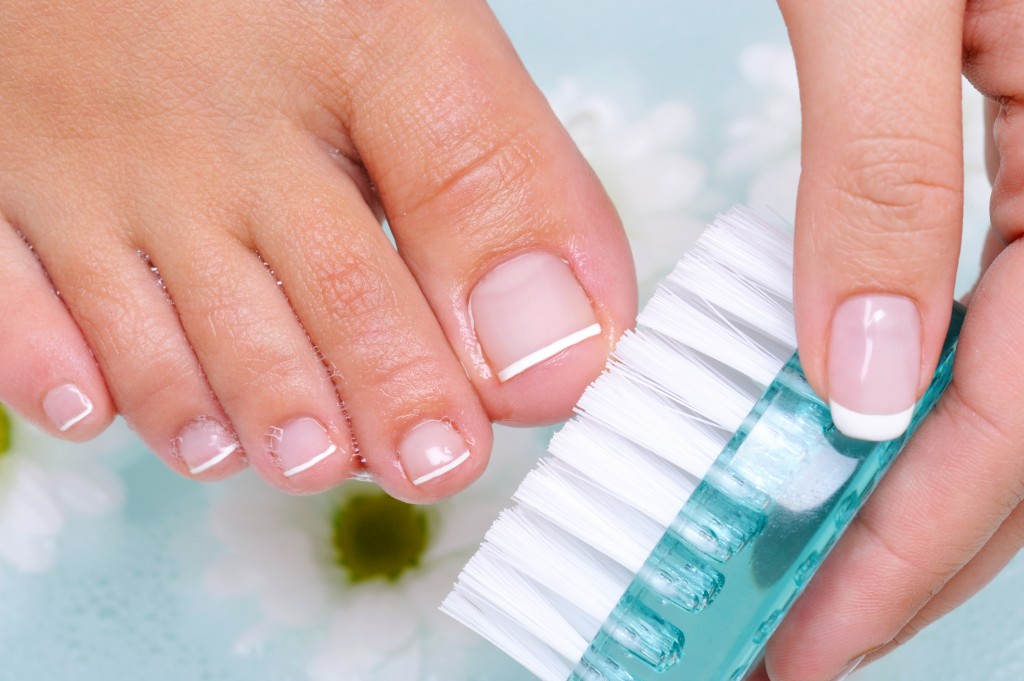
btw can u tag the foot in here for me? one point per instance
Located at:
(201, 186)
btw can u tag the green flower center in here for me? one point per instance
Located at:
(5, 432)
(378, 536)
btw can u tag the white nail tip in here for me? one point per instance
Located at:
(312, 462)
(548, 351)
(86, 410)
(450, 466)
(221, 455)
(871, 427)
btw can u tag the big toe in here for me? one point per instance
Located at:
(511, 238)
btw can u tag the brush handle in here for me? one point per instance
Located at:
(750, 538)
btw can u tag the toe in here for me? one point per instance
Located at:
(416, 420)
(259, 361)
(47, 372)
(507, 231)
(131, 326)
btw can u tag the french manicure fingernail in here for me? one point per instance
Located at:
(874, 364)
(66, 405)
(430, 450)
(529, 309)
(203, 444)
(849, 669)
(300, 444)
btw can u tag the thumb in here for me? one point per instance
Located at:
(880, 201)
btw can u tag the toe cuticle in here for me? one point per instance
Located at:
(66, 405)
(430, 450)
(204, 444)
(299, 445)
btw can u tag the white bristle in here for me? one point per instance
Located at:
(489, 579)
(711, 340)
(743, 299)
(686, 377)
(709, 333)
(753, 248)
(616, 530)
(492, 623)
(623, 469)
(528, 544)
(652, 421)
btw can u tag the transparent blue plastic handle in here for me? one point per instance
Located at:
(773, 505)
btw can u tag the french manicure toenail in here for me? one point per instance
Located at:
(430, 450)
(203, 444)
(66, 405)
(529, 309)
(300, 444)
(874, 365)
(849, 669)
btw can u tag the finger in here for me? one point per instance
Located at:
(943, 500)
(994, 63)
(1000, 550)
(504, 226)
(758, 674)
(880, 201)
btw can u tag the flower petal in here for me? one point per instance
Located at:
(28, 504)
(378, 623)
(89, 490)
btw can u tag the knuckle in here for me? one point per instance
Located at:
(899, 184)
(404, 379)
(998, 469)
(974, 417)
(915, 562)
(485, 175)
(353, 288)
(263, 365)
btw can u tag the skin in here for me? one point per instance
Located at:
(879, 211)
(217, 141)
(202, 134)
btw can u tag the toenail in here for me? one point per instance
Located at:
(203, 444)
(300, 444)
(430, 450)
(529, 309)
(66, 405)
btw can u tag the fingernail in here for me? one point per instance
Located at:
(430, 450)
(874, 363)
(300, 444)
(65, 406)
(528, 310)
(203, 444)
(849, 669)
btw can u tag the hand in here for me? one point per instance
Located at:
(877, 238)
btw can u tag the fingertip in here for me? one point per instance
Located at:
(870, 427)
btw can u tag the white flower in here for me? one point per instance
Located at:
(643, 164)
(43, 483)
(764, 148)
(309, 562)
